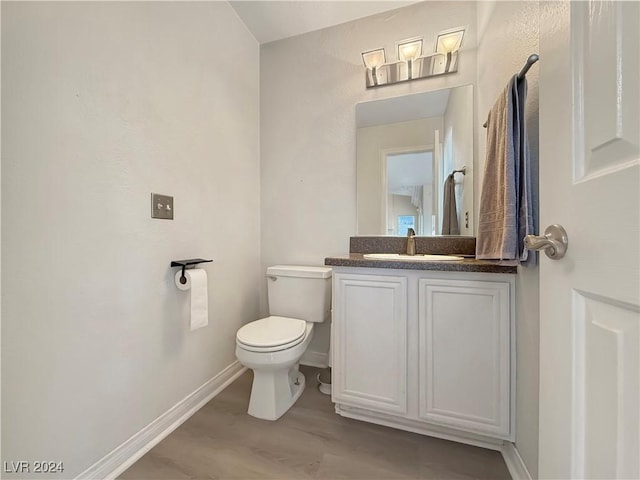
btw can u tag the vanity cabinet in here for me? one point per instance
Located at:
(426, 351)
(464, 354)
(370, 340)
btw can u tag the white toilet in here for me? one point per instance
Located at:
(272, 346)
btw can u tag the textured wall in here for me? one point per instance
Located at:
(103, 103)
(507, 35)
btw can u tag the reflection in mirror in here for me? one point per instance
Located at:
(409, 190)
(407, 148)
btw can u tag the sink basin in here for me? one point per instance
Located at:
(412, 258)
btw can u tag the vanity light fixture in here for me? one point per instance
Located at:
(448, 42)
(372, 60)
(411, 63)
(408, 51)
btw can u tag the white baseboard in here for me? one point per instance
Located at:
(122, 457)
(516, 466)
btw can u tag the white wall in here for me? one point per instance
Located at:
(310, 85)
(371, 141)
(458, 128)
(508, 34)
(104, 103)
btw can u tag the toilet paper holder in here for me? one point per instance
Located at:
(187, 263)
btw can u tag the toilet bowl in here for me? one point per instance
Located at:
(274, 358)
(272, 346)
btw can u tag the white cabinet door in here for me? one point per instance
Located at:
(370, 342)
(464, 335)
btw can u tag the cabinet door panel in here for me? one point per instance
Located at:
(464, 368)
(370, 342)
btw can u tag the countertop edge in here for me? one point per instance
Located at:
(467, 265)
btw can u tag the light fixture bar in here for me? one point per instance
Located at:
(411, 64)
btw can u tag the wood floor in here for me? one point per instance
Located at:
(309, 442)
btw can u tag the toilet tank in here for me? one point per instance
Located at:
(300, 292)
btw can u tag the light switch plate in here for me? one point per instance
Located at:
(161, 206)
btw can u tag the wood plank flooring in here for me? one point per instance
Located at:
(309, 442)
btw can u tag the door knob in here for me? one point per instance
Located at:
(554, 242)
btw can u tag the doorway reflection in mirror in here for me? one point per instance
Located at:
(406, 148)
(410, 192)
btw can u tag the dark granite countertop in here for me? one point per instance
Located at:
(466, 265)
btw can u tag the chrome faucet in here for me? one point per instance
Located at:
(411, 241)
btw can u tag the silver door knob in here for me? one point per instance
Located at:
(554, 243)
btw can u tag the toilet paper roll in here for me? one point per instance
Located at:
(197, 283)
(183, 286)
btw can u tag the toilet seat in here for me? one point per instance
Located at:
(271, 334)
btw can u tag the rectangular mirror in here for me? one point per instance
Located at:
(407, 149)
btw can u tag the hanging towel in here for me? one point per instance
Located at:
(450, 211)
(497, 223)
(506, 213)
(416, 196)
(526, 207)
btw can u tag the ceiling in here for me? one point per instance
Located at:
(408, 169)
(271, 20)
(402, 109)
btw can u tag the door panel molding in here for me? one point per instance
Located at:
(606, 129)
(606, 387)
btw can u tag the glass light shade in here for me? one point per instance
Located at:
(449, 41)
(409, 49)
(374, 58)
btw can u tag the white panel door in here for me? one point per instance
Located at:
(590, 184)
(465, 347)
(370, 342)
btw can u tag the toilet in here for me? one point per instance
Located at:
(299, 297)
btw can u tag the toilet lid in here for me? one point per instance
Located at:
(272, 331)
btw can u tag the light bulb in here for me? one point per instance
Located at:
(409, 49)
(374, 58)
(449, 41)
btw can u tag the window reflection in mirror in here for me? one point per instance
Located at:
(406, 148)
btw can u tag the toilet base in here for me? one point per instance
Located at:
(274, 392)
